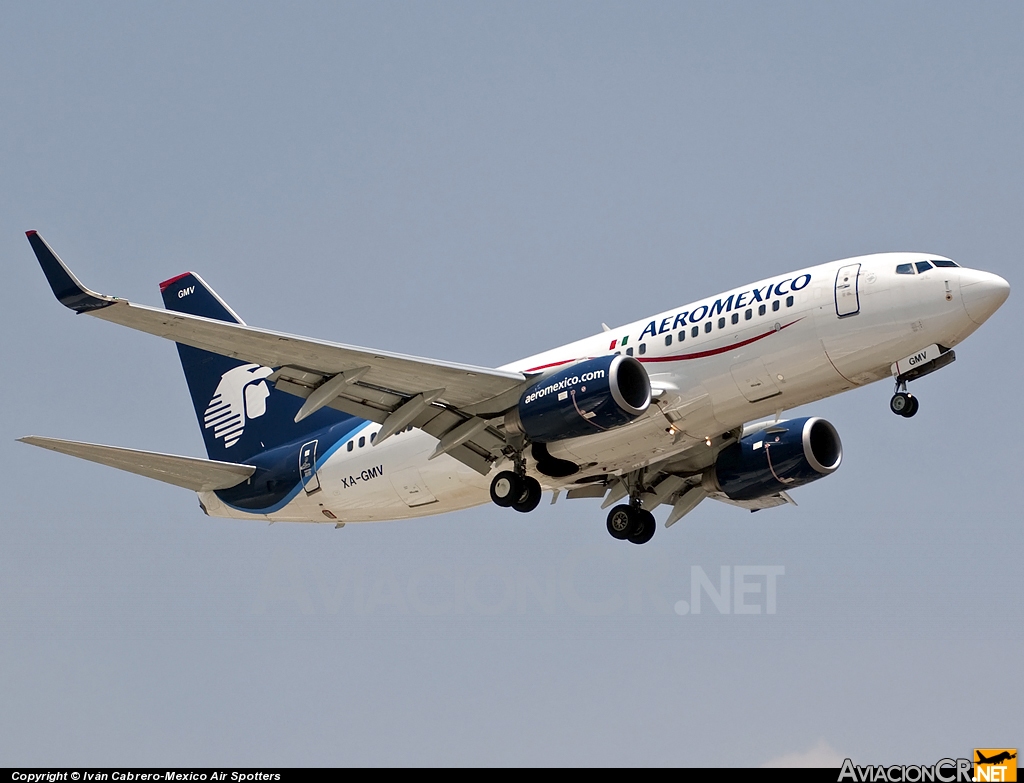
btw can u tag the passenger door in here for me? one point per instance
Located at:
(847, 290)
(307, 468)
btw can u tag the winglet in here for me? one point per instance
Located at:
(66, 287)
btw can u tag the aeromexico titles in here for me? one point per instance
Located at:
(669, 410)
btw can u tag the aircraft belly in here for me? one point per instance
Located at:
(626, 447)
(397, 481)
(394, 481)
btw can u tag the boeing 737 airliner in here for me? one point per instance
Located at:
(672, 409)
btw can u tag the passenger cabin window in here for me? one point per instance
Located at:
(643, 348)
(682, 335)
(775, 305)
(351, 444)
(748, 315)
(362, 442)
(922, 266)
(735, 318)
(707, 326)
(629, 351)
(945, 263)
(905, 269)
(761, 310)
(789, 301)
(721, 323)
(668, 339)
(695, 331)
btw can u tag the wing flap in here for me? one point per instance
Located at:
(199, 475)
(377, 404)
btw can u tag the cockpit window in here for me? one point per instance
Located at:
(923, 266)
(905, 269)
(945, 263)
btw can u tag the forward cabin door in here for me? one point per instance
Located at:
(847, 290)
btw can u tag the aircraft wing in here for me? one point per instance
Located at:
(450, 401)
(199, 475)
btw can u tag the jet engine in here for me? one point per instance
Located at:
(586, 398)
(778, 457)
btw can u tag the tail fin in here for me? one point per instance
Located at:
(240, 413)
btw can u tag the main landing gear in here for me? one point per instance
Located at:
(903, 403)
(627, 522)
(631, 523)
(514, 489)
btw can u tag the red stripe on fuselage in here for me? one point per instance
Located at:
(685, 356)
(546, 366)
(715, 351)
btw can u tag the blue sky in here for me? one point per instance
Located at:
(477, 183)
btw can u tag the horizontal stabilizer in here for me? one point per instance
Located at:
(199, 475)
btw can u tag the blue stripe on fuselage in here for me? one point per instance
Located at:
(276, 481)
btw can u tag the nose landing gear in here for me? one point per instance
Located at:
(903, 403)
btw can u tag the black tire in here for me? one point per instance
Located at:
(899, 403)
(530, 498)
(506, 488)
(912, 408)
(622, 522)
(646, 528)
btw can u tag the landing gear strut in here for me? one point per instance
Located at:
(514, 489)
(903, 403)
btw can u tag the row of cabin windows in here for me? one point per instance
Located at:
(708, 326)
(373, 437)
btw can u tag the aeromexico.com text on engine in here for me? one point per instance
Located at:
(563, 384)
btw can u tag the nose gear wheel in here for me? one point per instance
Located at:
(903, 403)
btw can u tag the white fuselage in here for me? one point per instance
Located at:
(714, 365)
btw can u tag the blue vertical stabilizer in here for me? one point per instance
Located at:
(240, 412)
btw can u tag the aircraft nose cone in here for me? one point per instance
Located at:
(982, 293)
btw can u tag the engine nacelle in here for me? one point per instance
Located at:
(587, 398)
(779, 457)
